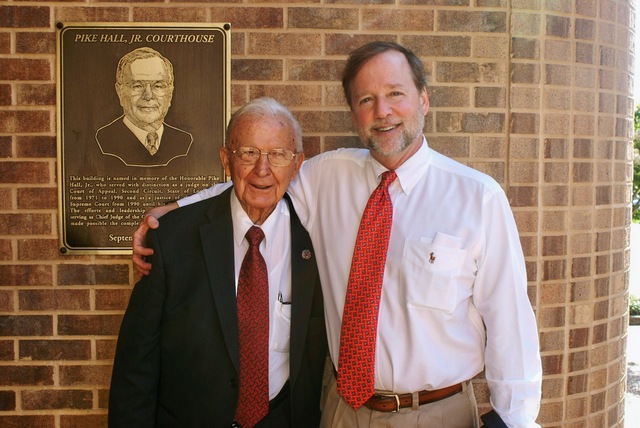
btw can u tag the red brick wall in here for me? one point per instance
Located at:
(536, 93)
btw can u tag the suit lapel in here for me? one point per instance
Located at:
(303, 275)
(217, 243)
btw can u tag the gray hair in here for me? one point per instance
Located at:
(266, 106)
(142, 53)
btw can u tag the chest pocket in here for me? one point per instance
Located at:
(431, 270)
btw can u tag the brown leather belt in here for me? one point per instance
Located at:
(382, 402)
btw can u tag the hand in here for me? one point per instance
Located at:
(149, 221)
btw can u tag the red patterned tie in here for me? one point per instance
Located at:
(360, 315)
(253, 334)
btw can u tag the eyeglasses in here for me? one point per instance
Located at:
(276, 157)
(157, 87)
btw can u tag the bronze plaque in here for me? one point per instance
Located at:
(142, 111)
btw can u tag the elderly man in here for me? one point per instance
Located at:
(439, 293)
(228, 328)
(140, 138)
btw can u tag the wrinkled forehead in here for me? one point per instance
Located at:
(263, 132)
(147, 69)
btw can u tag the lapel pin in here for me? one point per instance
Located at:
(306, 254)
(432, 257)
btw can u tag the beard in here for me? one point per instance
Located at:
(391, 147)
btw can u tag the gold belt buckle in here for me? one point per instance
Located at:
(389, 395)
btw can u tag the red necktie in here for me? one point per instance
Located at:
(253, 334)
(360, 315)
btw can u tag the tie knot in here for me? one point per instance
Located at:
(387, 178)
(254, 235)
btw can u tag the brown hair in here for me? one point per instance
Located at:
(360, 56)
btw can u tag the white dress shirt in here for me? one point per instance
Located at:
(454, 266)
(276, 251)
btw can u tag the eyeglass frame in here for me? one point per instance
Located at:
(160, 92)
(268, 153)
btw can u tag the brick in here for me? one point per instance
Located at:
(581, 267)
(26, 325)
(343, 44)
(7, 401)
(558, 74)
(83, 375)
(284, 44)
(439, 46)
(554, 221)
(57, 399)
(25, 275)
(25, 69)
(6, 301)
(525, 73)
(552, 340)
(83, 325)
(557, 26)
(449, 96)
(552, 317)
(523, 196)
(578, 337)
(52, 300)
(24, 16)
(92, 14)
(174, 14)
(256, 69)
(487, 97)
(112, 299)
(36, 95)
(314, 70)
(463, 21)
(37, 198)
(554, 270)
(453, 146)
(39, 249)
(522, 48)
(5, 100)
(36, 146)
(524, 123)
(81, 274)
(326, 18)
(26, 375)
(397, 19)
(556, 172)
(311, 146)
(491, 47)
(585, 53)
(290, 95)
(18, 421)
(525, 24)
(552, 364)
(583, 148)
(24, 121)
(5, 42)
(105, 349)
(25, 224)
(523, 172)
(35, 350)
(554, 245)
(7, 352)
(458, 72)
(249, 17)
(83, 421)
(36, 42)
(552, 294)
(324, 121)
(524, 98)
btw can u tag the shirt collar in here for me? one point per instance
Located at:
(410, 172)
(140, 133)
(242, 222)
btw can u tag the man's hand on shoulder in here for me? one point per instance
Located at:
(149, 221)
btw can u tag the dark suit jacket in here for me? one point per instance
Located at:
(115, 139)
(176, 362)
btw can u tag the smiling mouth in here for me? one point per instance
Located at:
(385, 128)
